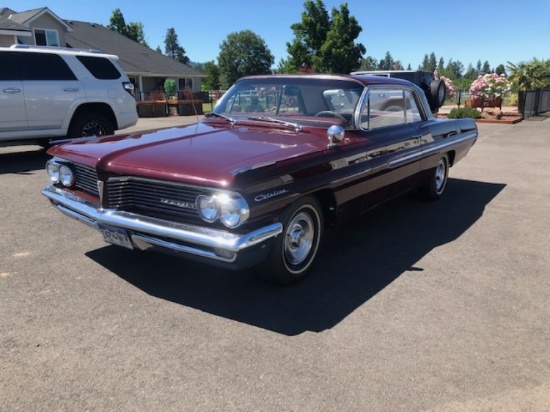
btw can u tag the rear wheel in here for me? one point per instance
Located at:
(294, 252)
(90, 124)
(434, 189)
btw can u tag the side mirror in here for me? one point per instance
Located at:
(335, 135)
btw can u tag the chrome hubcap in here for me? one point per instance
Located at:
(299, 238)
(440, 175)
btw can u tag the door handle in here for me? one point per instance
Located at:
(12, 90)
(71, 89)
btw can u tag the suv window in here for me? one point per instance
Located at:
(44, 66)
(8, 68)
(100, 67)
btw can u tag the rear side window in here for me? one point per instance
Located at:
(8, 67)
(44, 66)
(100, 67)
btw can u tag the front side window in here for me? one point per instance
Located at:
(8, 68)
(45, 37)
(386, 106)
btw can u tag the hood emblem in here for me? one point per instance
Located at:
(178, 203)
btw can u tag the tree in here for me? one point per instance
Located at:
(486, 67)
(456, 68)
(471, 73)
(243, 53)
(429, 63)
(158, 49)
(369, 63)
(500, 70)
(172, 47)
(339, 52)
(441, 64)
(387, 63)
(325, 43)
(212, 82)
(133, 30)
(478, 67)
(530, 75)
(117, 23)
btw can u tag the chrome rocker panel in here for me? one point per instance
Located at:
(147, 232)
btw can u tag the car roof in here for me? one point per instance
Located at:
(365, 79)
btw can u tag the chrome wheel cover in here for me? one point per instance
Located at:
(440, 176)
(299, 238)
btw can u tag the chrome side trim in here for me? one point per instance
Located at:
(472, 135)
(438, 148)
(157, 231)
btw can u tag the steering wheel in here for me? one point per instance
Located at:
(324, 113)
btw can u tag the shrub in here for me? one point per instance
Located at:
(464, 112)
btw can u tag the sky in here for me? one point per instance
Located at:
(497, 31)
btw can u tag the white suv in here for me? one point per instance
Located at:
(48, 93)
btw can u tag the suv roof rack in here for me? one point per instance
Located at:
(32, 46)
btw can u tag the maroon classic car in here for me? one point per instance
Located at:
(280, 160)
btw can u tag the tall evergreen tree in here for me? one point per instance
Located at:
(132, 30)
(172, 47)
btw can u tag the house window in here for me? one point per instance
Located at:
(46, 37)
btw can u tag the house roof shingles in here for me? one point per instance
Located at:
(133, 56)
(8, 24)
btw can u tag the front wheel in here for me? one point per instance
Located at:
(434, 189)
(294, 252)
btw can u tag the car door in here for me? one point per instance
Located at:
(12, 103)
(391, 122)
(50, 88)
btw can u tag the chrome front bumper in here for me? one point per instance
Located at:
(147, 232)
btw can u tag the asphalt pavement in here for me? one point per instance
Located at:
(420, 307)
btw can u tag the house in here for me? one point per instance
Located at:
(145, 67)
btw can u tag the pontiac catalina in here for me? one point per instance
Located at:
(257, 183)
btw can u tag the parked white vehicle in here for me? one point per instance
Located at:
(50, 93)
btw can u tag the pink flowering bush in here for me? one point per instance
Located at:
(490, 86)
(451, 89)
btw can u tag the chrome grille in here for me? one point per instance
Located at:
(152, 198)
(86, 179)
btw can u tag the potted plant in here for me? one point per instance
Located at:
(488, 90)
(170, 90)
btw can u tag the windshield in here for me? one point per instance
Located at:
(295, 99)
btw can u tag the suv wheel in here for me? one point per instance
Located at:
(90, 124)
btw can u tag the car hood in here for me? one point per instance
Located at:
(198, 154)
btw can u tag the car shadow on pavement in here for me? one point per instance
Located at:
(24, 161)
(353, 266)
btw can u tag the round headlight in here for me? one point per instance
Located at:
(233, 212)
(66, 175)
(208, 208)
(52, 169)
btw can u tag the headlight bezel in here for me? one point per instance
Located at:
(230, 209)
(60, 173)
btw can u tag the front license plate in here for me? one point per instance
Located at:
(115, 236)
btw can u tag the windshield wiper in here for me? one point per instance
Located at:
(221, 116)
(295, 126)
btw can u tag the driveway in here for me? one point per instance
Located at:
(422, 306)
